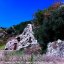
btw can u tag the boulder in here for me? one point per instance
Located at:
(56, 48)
(25, 41)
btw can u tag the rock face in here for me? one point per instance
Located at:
(24, 40)
(56, 49)
(10, 44)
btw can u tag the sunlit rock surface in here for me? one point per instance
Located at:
(56, 49)
(24, 40)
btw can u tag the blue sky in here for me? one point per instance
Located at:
(13, 12)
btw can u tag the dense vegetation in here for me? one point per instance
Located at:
(51, 25)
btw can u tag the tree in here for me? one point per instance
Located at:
(38, 17)
(51, 28)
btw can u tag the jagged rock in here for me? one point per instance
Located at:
(10, 44)
(24, 40)
(56, 48)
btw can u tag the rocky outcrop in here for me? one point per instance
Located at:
(56, 49)
(23, 41)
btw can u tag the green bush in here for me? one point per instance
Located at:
(51, 29)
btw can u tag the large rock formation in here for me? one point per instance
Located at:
(56, 49)
(24, 40)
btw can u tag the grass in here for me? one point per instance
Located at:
(31, 60)
(2, 47)
(15, 53)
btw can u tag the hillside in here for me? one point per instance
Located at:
(47, 24)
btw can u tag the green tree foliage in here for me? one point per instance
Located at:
(52, 27)
(38, 17)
